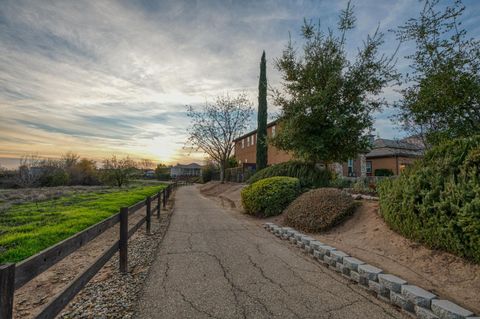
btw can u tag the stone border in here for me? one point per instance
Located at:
(413, 300)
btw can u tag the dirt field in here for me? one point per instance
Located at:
(366, 236)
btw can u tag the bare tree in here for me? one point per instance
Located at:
(28, 171)
(216, 125)
(146, 164)
(118, 171)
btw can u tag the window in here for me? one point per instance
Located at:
(369, 167)
(243, 143)
(273, 131)
(248, 141)
(350, 167)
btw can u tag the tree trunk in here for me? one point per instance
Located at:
(222, 173)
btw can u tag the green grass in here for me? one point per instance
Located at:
(27, 228)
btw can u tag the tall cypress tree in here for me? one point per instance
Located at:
(262, 146)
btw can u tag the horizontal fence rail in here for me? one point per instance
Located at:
(14, 276)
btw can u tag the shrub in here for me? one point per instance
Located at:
(383, 172)
(319, 209)
(437, 200)
(308, 174)
(270, 196)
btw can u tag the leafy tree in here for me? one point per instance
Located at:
(118, 172)
(232, 162)
(262, 145)
(162, 172)
(442, 98)
(84, 173)
(216, 125)
(328, 100)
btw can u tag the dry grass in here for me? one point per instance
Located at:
(319, 209)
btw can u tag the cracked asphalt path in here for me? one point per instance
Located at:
(216, 263)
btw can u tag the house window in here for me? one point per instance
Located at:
(248, 141)
(350, 167)
(369, 167)
(273, 131)
(243, 143)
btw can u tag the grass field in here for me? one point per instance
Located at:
(29, 226)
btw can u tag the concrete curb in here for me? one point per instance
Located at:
(413, 300)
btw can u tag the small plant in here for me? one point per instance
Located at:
(308, 174)
(270, 196)
(319, 209)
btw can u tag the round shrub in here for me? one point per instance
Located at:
(319, 209)
(437, 200)
(270, 196)
(308, 174)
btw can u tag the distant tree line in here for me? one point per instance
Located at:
(71, 169)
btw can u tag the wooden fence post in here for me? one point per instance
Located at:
(164, 198)
(7, 290)
(123, 244)
(159, 203)
(149, 215)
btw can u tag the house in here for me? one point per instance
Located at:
(190, 170)
(150, 173)
(393, 155)
(246, 148)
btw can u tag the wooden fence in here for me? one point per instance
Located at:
(14, 276)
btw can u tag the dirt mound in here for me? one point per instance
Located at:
(319, 209)
(366, 236)
(227, 193)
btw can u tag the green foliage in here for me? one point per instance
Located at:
(57, 177)
(270, 196)
(339, 182)
(162, 172)
(437, 200)
(383, 172)
(327, 100)
(319, 209)
(262, 145)
(308, 174)
(27, 228)
(118, 171)
(442, 95)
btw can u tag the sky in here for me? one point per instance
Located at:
(114, 77)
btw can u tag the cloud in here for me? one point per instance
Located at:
(102, 77)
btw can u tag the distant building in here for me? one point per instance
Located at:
(393, 155)
(190, 170)
(149, 173)
(246, 148)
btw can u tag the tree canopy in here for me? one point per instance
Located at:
(216, 125)
(327, 99)
(442, 94)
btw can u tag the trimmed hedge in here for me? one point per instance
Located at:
(270, 196)
(383, 172)
(437, 200)
(308, 174)
(319, 209)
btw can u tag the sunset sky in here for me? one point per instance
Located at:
(104, 77)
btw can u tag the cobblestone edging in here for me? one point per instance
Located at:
(413, 300)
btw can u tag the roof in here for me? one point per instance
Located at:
(388, 148)
(191, 165)
(254, 131)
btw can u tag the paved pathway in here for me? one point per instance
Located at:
(216, 263)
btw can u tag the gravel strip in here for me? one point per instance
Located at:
(113, 295)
